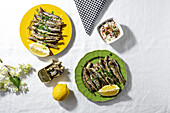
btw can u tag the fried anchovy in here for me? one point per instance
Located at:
(43, 37)
(107, 78)
(59, 69)
(107, 67)
(43, 16)
(103, 75)
(103, 81)
(87, 85)
(47, 28)
(49, 22)
(37, 19)
(49, 14)
(95, 79)
(54, 65)
(53, 73)
(115, 68)
(106, 64)
(88, 79)
(43, 31)
(42, 42)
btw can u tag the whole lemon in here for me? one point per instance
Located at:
(60, 92)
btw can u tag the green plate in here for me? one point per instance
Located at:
(93, 57)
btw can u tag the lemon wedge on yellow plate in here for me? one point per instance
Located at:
(60, 92)
(39, 49)
(109, 90)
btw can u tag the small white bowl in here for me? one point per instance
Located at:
(118, 26)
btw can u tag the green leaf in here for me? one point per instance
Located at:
(36, 27)
(49, 30)
(99, 71)
(38, 11)
(46, 26)
(46, 17)
(43, 36)
(52, 12)
(36, 31)
(42, 17)
(91, 77)
(41, 23)
(15, 80)
(42, 28)
(39, 27)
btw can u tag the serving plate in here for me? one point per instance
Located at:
(93, 57)
(66, 32)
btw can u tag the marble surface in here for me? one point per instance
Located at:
(144, 48)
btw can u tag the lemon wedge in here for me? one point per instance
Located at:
(39, 49)
(60, 92)
(109, 90)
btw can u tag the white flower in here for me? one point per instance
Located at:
(6, 86)
(1, 85)
(5, 82)
(2, 78)
(3, 70)
(23, 86)
(14, 89)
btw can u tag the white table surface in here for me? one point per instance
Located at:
(145, 48)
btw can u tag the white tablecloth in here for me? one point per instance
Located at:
(145, 49)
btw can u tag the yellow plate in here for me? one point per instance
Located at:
(28, 17)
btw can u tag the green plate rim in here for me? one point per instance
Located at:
(78, 74)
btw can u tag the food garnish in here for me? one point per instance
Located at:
(39, 49)
(109, 90)
(106, 72)
(109, 31)
(51, 71)
(10, 77)
(60, 92)
(46, 28)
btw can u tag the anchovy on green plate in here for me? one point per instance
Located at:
(104, 72)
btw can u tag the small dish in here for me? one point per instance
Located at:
(111, 31)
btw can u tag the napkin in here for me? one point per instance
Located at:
(89, 11)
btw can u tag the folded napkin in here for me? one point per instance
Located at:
(89, 11)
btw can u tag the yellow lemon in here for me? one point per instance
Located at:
(39, 49)
(60, 92)
(109, 90)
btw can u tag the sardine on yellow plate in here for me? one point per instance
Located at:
(47, 25)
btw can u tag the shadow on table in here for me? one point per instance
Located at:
(3, 93)
(123, 96)
(106, 6)
(65, 51)
(70, 103)
(63, 77)
(126, 42)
